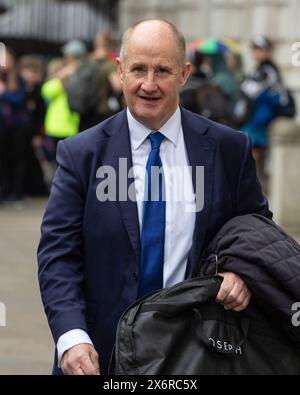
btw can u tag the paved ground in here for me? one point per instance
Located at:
(26, 345)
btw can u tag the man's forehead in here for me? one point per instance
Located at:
(151, 43)
(150, 61)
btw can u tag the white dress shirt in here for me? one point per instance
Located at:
(180, 203)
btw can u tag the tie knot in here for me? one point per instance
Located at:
(156, 139)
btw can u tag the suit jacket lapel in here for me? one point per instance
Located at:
(118, 147)
(201, 152)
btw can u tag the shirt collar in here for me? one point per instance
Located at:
(138, 132)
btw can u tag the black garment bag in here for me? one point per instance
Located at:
(181, 330)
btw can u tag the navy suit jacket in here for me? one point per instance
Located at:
(89, 251)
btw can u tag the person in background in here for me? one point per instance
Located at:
(263, 87)
(32, 70)
(262, 51)
(188, 93)
(211, 90)
(14, 121)
(235, 65)
(224, 78)
(110, 88)
(94, 90)
(60, 121)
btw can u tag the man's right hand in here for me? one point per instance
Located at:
(81, 359)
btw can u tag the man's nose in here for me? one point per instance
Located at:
(149, 84)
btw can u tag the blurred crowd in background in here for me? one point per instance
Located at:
(44, 101)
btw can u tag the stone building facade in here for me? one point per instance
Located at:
(239, 19)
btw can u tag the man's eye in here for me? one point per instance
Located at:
(138, 69)
(162, 70)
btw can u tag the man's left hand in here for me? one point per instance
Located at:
(233, 294)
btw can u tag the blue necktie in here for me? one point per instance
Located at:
(153, 226)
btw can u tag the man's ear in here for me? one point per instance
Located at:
(186, 72)
(119, 69)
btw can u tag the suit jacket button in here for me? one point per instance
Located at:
(135, 276)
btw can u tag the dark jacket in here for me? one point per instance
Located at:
(181, 330)
(266, 258)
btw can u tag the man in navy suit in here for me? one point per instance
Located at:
(90, 265)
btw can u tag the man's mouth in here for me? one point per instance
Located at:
(150, 99)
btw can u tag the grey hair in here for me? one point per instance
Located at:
(179, 37)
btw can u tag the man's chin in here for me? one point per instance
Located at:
(151, 119)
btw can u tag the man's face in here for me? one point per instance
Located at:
(152, 74)
(261, 55)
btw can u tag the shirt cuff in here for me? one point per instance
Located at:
(70, 339)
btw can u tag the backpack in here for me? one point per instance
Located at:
(213, 103)
(287, 105)
(188, 93)
(208, 100)
(82, 88)
(181, 330)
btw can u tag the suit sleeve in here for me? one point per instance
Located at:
(60, 251)
(249, 198)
